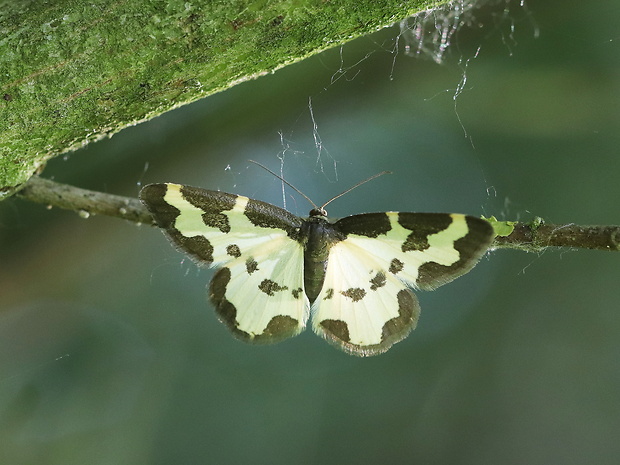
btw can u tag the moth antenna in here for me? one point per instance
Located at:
(287, 183)
(354, 187)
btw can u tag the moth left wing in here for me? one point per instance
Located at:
(258, 290)
(366, 304)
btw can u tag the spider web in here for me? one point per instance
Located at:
(432, 34)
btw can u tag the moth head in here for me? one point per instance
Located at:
(319, 211)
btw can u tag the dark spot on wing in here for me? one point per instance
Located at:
(355, 294)
(212, 203)
(297, 292)
(208, 201)
(367, 224)
(216, 220)
(378, 281)
(265, 215)
(164, 214)
(396, 266)
(233, 250)
(278, 328)
(329, 294)
(421, 226)
(197, 247)
(270, 287)
(336, 329)
(250, 265)
(226, 311)
(398, 327)
(415, 241)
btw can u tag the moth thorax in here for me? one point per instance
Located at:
(319, 236)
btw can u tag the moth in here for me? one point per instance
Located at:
(355, 276)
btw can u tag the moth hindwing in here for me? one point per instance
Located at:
(354, 275)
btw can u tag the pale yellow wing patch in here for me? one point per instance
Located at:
(362, 308)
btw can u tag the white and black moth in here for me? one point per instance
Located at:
(354, 275)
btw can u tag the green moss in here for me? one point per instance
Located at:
(501, 228)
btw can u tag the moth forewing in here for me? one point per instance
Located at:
(424, 250)
(453, 251)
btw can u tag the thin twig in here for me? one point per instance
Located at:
(85, 202)
(530, 237)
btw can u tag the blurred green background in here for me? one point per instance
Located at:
(110, 353)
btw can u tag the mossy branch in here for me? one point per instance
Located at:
(529, 237)
(72, 72)
(536, 236)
